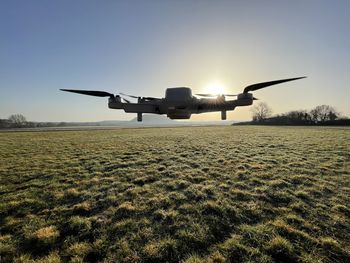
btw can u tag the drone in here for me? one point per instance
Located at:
(179, 103)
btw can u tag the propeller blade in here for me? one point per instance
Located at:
(127, 101)
(216, 95)
(207, 95)
(90, 92)
(230, 95)
(136, 97)
(255, 98)
(150, 98)
(261, 85)
(131, 96)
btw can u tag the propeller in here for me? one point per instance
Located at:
(131, 96)
(230, 95)
(252, 87)
(90, 92)
(94, 93)
(215, 95)
(262, 85)
(98, 93)
(127, 101)
(206, 95)
(138, 97)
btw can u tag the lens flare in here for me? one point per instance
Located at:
(215, 88)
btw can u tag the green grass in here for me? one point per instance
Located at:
(199, 194)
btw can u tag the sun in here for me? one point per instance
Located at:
(215, 88)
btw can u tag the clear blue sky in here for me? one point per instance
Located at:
(144, 47)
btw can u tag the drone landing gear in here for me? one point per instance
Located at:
(139, 116)
(223, 115)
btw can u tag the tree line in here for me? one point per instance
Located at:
(20, 121)
(262, 114)
(320, 115)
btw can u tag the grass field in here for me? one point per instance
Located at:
(194, 194)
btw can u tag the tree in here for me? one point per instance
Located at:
(261, 112)
(298, 117)
(324, 113)
(5, 123)
(332, 115)
(17, 120)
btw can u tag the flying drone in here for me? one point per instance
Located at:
(179, 103)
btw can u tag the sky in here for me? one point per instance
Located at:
(144, 47)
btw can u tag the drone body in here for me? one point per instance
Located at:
(179, 103)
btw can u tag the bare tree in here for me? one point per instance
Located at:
(298, 116)
(261, 111)
(17, 120)
(324, 113)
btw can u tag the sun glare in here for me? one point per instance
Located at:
(215, 88)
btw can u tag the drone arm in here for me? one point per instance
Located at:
(139, 108)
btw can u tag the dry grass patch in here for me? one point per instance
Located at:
(46, 233)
